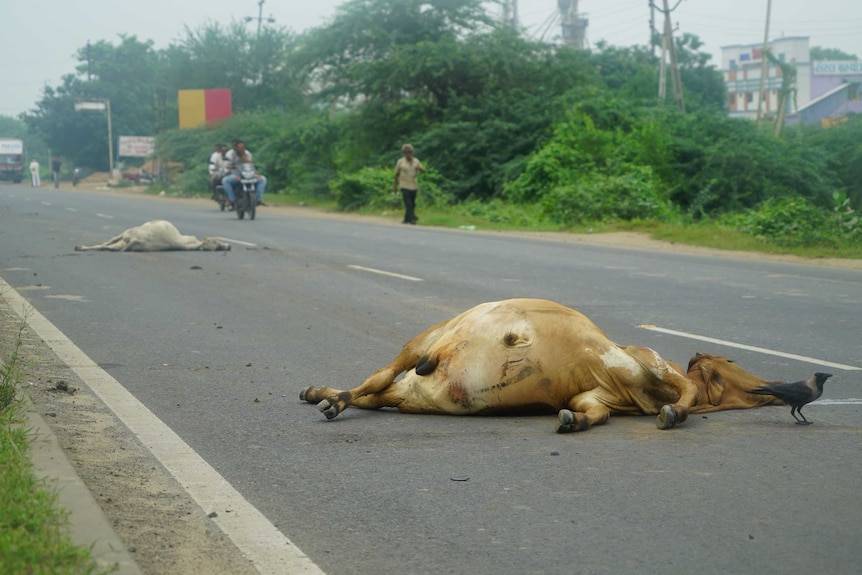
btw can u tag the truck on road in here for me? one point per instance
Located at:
(11, 159)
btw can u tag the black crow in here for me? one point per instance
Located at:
(796, 394)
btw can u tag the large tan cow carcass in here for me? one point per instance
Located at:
(156, 236)
(524, 355)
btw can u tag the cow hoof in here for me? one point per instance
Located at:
(569, 421)
(666, 418)
(303, 395)
(328, 409)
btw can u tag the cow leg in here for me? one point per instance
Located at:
(314, 394)
(672, 414)
(110, 245)
(368, 395)
(583, 414)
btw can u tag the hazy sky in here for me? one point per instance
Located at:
(40, 37)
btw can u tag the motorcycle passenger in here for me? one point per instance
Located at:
(218, 167)
(236, 157)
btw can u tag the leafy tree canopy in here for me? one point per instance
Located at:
(820, 53)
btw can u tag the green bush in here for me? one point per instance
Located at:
(795, 221)
(372, 188)
(630, 196)
(369, 187)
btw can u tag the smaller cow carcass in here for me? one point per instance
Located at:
(156, 236)
(524, 355)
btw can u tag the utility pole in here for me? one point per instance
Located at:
(652, 26)
(260, 17)
(763, 70)
(668, 46)
(662, 70)
(510, 14)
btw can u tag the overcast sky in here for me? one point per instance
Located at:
(39, 37)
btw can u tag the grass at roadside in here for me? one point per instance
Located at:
(32, 526)
(527, 218)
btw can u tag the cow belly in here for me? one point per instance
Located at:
(504, 387)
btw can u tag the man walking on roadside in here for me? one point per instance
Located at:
(35, 182)
(406, 180)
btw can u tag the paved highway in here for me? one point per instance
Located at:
(218, 346)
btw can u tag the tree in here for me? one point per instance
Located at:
(256, 68)
(126, 74)
(390, 49)
(819, 53)
(703, 84)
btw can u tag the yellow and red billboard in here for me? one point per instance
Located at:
(198, 107)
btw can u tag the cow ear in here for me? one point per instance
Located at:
(713, 384)
(694, 359)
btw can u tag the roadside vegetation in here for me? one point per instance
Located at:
(33, 539)
(516, 133)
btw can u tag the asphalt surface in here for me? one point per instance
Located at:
(742, 491)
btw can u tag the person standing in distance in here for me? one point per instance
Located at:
(218, 165)
(407, 181)
(35, 182)
(56, 164)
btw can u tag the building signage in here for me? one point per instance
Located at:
(137, 146)
(836, 67)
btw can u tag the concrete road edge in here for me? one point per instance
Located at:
(88, 524)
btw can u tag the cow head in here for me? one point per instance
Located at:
(724, 383)
(214, 245)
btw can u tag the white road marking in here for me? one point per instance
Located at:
(240, 242)
(69, 297)
(44, 203)
(385, 273)
(71, 209)
(752, 348)
(105, 216)
(848, 401)
(258, 539)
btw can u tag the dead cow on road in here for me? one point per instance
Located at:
(529, 354)
(156, 236)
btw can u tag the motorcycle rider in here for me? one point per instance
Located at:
(218, 166)
(237, 156)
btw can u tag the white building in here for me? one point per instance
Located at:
(826, 91)
(742, 66)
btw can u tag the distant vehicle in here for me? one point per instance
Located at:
(11, 159)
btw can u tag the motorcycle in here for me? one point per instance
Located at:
(246, 192)
(220, 196)
(76, 176)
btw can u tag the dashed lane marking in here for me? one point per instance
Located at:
(385, 273)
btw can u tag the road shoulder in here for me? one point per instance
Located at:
(161, 528)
